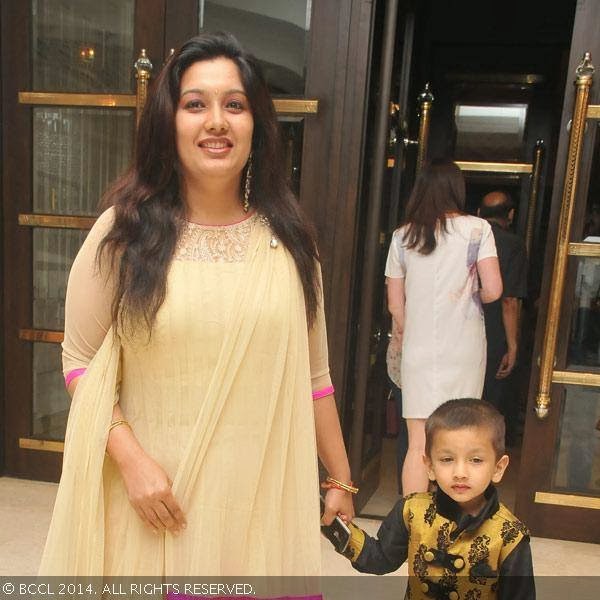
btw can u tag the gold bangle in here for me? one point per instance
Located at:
(117, 423)
(342, 486)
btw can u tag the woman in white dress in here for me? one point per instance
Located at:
(441, 266)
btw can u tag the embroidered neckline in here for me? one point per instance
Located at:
(215, 243)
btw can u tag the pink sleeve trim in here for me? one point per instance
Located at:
(72, 374)
(323, 392)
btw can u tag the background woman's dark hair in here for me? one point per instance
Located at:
(439, 189)
(149, 211)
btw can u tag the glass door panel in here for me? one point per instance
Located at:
(584, 339)
(77, 153)
(577, 464)
(53, 253)
(275, 32)
(75, 119)
(83, 46)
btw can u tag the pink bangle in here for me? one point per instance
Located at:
(72, 374)
(322, 392)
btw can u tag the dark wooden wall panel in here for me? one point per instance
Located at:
(337, 76)
(181, 23)
(17, 251)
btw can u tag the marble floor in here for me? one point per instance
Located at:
(25, 508)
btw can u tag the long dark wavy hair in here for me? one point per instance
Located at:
(149, 211)
(439, 190)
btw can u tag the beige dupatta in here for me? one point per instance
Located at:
(75, 544)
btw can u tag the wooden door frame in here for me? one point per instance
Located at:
(17, 251)
(535, 470)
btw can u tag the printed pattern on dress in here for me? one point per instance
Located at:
(218, 244)
(473, 281)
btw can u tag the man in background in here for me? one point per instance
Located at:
(502, 316)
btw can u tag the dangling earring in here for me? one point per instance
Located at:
(247, 182)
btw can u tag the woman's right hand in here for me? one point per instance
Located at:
(149, 491)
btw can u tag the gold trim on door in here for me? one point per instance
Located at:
(143, 70)
(494, 167)
(576, 378)
(44, 445)
(283, 106)
(593, 111)
(296, 106)
(584, 72)
(60, 221)
(67, 99)
(567, 500)
(41, 335)
(534, 188)
(584, 249)
(425, 104)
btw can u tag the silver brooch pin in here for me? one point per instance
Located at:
(265, 221)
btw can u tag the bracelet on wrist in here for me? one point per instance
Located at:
(117, 423)
(330, 483)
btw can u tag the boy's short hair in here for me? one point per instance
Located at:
(466, 412)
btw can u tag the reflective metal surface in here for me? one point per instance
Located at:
(583, 82)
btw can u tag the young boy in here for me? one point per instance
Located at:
(461, 543)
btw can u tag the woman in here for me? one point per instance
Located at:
(194, 327)
(434, 263)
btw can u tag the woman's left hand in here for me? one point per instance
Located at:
(337, 502)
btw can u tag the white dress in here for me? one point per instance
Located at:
(444, 345)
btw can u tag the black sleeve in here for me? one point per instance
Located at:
(386, 553)
(514, 271)
(516, 580)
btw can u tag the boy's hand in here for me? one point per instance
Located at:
(337, 502)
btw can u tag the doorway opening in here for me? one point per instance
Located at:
(497, 78)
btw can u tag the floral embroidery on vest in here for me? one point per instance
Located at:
(443, 537)
(510, 531)
(430, 513)
(419, 563)
(478, 555)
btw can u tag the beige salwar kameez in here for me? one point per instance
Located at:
(219, 396)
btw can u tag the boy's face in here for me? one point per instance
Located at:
(463, 463)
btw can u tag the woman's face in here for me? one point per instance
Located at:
(213, 122)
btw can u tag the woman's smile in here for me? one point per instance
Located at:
(217, 147)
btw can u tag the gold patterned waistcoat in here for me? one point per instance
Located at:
(457, 567)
